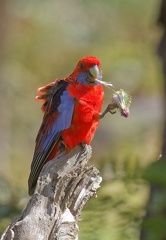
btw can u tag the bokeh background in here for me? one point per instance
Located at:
(43, 40)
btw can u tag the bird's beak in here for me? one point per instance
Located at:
(94, 71)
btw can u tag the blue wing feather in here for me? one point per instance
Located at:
(63, 120)
(58, 118)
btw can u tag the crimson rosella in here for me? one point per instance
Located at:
(71, 107)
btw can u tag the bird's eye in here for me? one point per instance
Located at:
(82, 66)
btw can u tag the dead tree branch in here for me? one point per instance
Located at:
(63, 188)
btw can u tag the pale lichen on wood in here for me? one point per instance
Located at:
(63, 188)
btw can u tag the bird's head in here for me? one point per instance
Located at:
(88, 71)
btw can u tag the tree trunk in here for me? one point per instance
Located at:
(63, 188)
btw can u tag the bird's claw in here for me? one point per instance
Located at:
(110, 108)
(112, 111)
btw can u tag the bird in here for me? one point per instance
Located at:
(72, 108)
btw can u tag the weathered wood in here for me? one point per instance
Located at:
(63, 188)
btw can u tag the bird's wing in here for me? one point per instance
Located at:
(58, 107)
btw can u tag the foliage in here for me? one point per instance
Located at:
(155, 173)
(155, 222)
(118, 210)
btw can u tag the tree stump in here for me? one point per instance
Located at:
(64, 186)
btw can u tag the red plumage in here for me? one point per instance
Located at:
(71, 107)
(85, 119)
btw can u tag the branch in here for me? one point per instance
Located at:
(63, 188)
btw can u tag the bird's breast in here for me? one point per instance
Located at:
(89, 95)
(85, 119)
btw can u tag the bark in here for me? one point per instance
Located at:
(63, 188)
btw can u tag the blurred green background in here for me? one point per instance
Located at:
(43, 40)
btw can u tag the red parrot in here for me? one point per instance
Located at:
(71, 108)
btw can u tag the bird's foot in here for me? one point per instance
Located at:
(83, 145)
(109, 109)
